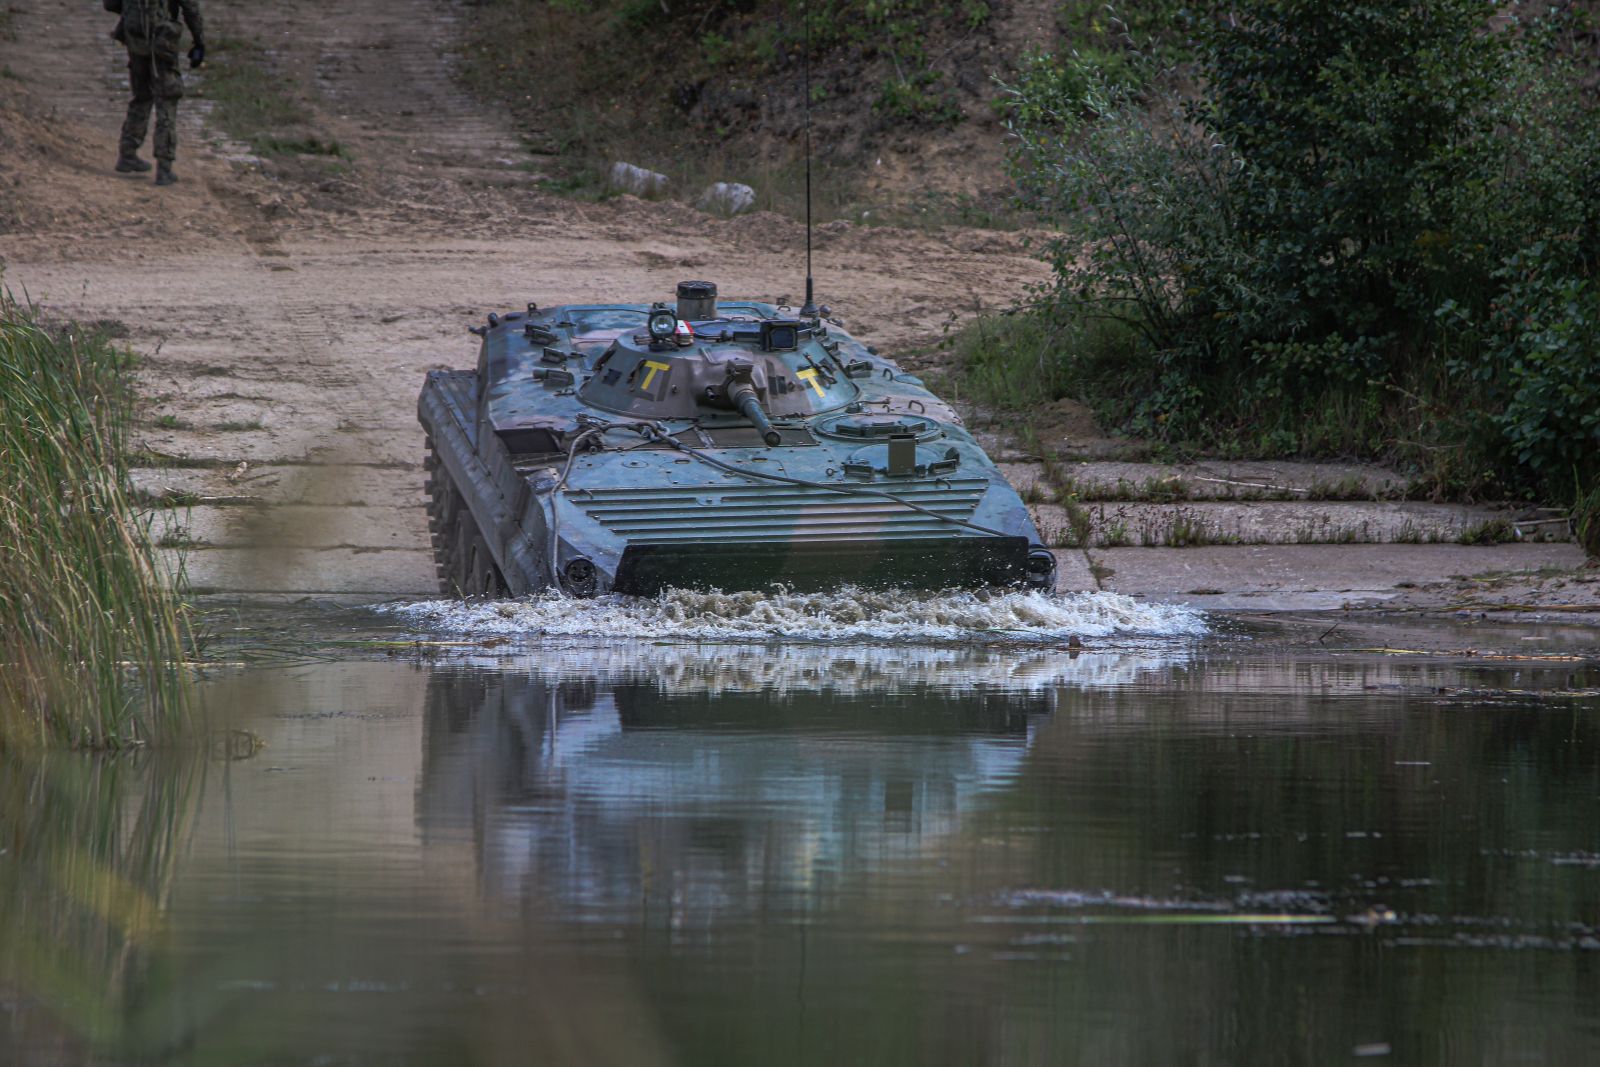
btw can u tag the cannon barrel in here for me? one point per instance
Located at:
(745, 399)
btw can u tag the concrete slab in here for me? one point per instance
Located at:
(1313, 577)
(1217, 480)
(344, 443)
(1027, 478)
(295, 526)
(1274, 522)
(310, 571)
(333, 485)
(1073, 572)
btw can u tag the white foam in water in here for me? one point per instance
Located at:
(778, 667)
(847, 614)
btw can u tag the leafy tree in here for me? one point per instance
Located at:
(1383, 210)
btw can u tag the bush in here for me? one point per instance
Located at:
(1014, 361)
(1385, 208)
(1586, 521)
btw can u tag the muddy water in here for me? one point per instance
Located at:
(1158, 849)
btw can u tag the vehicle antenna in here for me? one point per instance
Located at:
(809, 311)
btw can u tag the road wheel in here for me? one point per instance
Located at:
(484, 579)
(445, 506)
(461, 556)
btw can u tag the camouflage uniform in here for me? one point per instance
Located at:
(153, 51)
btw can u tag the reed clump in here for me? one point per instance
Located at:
(93, 635)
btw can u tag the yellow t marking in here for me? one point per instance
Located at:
(809, 376)
(654, 366)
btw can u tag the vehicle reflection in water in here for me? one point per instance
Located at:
(659, 853)
(704, 783)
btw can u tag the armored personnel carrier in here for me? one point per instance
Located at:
(706, 444)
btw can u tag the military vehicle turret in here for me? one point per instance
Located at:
(706, 444)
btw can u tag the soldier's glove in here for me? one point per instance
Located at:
(197, 56)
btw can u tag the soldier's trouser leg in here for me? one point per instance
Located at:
(167, 89)
(138, 120)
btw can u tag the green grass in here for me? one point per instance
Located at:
(239, 425)
(1080, 525)
(1182, 529)
(176, 537)
(167, 498)
(270, 145)
(92, 637)
(253, 104)
(1014, 362)
(1488, 532)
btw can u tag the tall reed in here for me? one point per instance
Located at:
(92, 635)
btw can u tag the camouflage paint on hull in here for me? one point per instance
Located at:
(585, 454)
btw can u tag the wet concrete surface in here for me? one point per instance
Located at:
(1333, 577)
(1265, 522)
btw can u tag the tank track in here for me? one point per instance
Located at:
(461, 557)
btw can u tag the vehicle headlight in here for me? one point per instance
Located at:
(663, 323)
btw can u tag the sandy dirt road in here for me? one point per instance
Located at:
(287, 324)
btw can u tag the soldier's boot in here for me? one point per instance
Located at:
(164, 175)
(129, 164)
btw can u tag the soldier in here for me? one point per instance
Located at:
(150, 30)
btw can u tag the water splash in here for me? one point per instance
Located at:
(781, 668)
(846, 614)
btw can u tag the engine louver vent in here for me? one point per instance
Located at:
(734, 513)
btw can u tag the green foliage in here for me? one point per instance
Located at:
(1114, 50)
(897, 30)
(1538, 364)
(717, 50)
(1586, 520)
(1391, 208)
(268, 145)
(1144, 25)
(254, 105)
(1012, 362)
(1062, 92)
(250, 99)
(919, 99)
(91, 636)
(641, 14)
